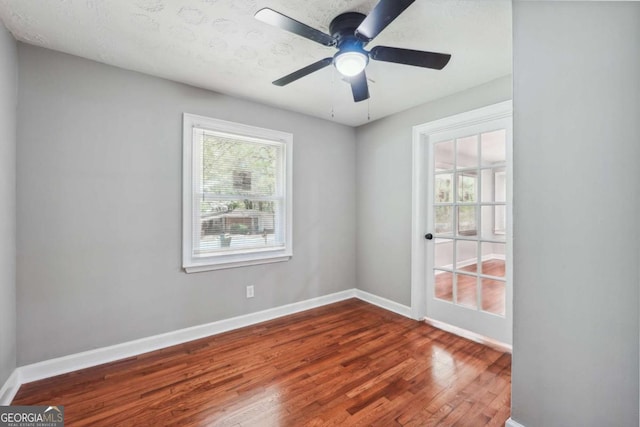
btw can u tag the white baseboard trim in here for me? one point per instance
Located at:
(86, 359)
(481, 339)
(10, 388)
(387, 304)
(511, 423)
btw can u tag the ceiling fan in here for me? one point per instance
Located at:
(350, 33)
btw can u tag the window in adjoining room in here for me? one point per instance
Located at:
(236, 194)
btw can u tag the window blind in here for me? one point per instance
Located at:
(239, 191)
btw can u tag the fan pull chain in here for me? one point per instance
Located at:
(369, 109)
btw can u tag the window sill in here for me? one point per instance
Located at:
(210, 265)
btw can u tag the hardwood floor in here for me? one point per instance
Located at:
(344, 364)
(493, 291)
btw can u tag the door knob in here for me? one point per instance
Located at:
(428, 236)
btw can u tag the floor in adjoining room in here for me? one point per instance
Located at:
(348, 363)
(493, 292)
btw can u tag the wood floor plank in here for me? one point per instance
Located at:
(348, 363)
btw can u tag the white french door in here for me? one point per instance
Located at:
(467, 229)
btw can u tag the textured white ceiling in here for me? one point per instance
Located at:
(218, 45)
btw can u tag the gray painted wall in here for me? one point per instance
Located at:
(384, 162)
(576, 181)
(8, 89)
(99, 208)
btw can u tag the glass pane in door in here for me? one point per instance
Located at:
(443, 254)
(493, 256)
(444, 285)
(467, 186)
(467, 152)
(469, 193)
(493, 220)
(493, 146)
(443, 220)
(467, 255)
(443, 188)
(467, 290)
(467, 221)
(443, 158)
(499, 186)
(493, 296)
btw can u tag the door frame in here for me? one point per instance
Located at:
(419, 224)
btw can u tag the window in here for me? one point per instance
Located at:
(236, 194)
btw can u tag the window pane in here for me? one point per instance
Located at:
(443, 254)
(443, 188)
(487, 187)
(500, 186)
(444, 285)
(443, 155)
(467, 187)
(467, 221)
(494, 188)
(467, 152)
(493, 296)
(236, 167)
(493, 256)
(500, 222)
(467, 255)
(494, 147)
(228, 225)
(467, 290)
(443, 219)
(494, 222)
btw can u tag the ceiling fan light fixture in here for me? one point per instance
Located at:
(350, 32)
(350, 63)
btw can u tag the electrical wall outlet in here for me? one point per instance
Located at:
(250, 291)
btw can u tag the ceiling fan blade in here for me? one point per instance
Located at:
(418, 58)
(359, 87)
(381, 16)
(303, 72)
(279, 20)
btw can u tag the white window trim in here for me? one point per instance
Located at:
(231, 260)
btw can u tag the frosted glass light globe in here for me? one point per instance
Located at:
(351, 63)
